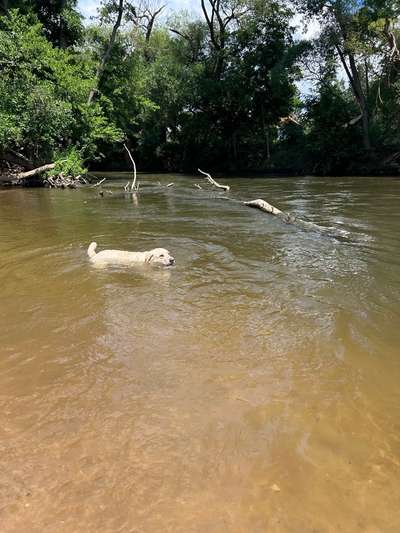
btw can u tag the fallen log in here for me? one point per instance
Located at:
(35, 172)
(264, 206)
(213, 182)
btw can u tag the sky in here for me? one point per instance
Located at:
(88, 7)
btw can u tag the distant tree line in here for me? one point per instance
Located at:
(226, 90)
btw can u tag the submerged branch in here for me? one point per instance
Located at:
(213, 182)
(264, 206)
(99, 182)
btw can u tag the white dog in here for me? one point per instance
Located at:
(158, 256)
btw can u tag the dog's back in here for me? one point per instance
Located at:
(158, 256)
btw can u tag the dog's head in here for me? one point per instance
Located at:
(160, 256)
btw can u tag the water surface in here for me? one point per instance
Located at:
(253, 388)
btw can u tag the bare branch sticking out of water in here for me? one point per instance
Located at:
(133, 186)
(99, 182)
(213, 182)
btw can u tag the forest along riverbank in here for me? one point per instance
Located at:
(254, 386)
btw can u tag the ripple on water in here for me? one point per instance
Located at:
(253, 387)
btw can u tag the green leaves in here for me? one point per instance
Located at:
(43, 93)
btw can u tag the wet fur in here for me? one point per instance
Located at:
(158, 256)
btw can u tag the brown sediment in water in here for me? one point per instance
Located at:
(254, 387)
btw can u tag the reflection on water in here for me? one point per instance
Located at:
(251, 388)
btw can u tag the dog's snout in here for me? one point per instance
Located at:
(171, 261)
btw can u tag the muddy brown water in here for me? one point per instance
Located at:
(254, 387)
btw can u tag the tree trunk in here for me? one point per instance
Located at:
(107, 53)
(360, 96)
(4, 6)
(235, 146)
(61, 37)
(355, 83)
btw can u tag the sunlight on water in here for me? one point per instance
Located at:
(254, 387)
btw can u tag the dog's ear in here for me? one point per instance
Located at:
(149, 257)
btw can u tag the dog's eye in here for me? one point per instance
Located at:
(161, 255)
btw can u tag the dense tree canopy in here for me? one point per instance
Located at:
(228, 89)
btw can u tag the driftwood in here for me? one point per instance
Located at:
(264, 206)
(213, 182)
(106, 56)
(99, 182)
(63, 182)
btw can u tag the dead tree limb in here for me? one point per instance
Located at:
(218, 17)
(146, 14)
(99, 182)
(106, 56)
(133, 186)
(264, 206)
(213, 182)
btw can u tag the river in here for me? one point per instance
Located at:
(253, 387)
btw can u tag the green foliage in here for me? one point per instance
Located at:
(330, 132)
(61, 22)
(43, 92)
(187, 94)
(69, 164)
